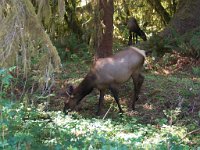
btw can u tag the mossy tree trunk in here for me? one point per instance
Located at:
(156, 4)
(186, 18)
(23, 40)
(71, 18)
(105, 40)
(182, 32)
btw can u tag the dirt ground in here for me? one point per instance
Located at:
(167, 86)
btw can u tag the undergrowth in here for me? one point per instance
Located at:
(28, 128)
(164, 118)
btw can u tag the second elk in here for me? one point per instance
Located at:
(134, 31)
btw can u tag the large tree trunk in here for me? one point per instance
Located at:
(182, 32)
(104, 48)
(186, 18)
(165, 17)
(23, 41)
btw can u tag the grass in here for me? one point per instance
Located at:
(76, 132)
(166, 116)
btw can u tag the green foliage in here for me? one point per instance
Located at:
(74, 132)
(148, 19)
(158, 45)
(196, 71)
(80, 20)
(25, 127)
(188, 43)
(172, 115)
(72, 48)
(5, 80)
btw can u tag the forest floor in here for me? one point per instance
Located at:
(167, 114)
(171, 90)
(168, 84)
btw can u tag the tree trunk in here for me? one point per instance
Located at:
(165, 17)
(24, 42)
(126, 9)
(72, 20)
(104, 48)
(182, 33)
(185, 20)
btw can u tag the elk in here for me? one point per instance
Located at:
(134, 31)
(108, 73)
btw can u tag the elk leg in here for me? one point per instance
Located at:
(130, 41)
(65, 109)
(138, 81)
(101, 99)
(116, 97)
(136, 38)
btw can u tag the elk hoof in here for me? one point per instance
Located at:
(121, 111)
(65, 113)
(137, 98)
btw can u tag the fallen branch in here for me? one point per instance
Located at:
(197, 130)
(108, 110)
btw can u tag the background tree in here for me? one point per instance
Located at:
(71, 18)
(185, 19)
(156, 4)
(183, 30)
(23, 40)
(79, 29)
(70, 26)
(105, 39)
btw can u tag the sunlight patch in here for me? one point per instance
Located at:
(148, 106)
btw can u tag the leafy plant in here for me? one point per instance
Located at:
(5, 76)
(189, 43)
(196, 71)
(172, 115)
(25, 127)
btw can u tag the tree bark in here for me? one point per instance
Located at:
(72, 21)
(182, 32)
(165, 17)
(185, 20)
(126, 9)
(25, 31)
(104, 48)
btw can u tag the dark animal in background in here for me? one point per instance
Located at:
(108, 73)
(134, 31)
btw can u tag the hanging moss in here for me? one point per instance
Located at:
(44, 11)
(23, 41)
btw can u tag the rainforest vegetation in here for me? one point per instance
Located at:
(47, 45)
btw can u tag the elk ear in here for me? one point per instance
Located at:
(70, 89)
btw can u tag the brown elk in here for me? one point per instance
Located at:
(134, 31)
(108, 73)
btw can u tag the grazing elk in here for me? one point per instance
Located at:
(134, 31)
(108, 73)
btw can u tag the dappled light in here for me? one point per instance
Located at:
(171, 63)
(148, 106)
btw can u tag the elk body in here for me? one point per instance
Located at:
(108, 73)
(134, 31)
